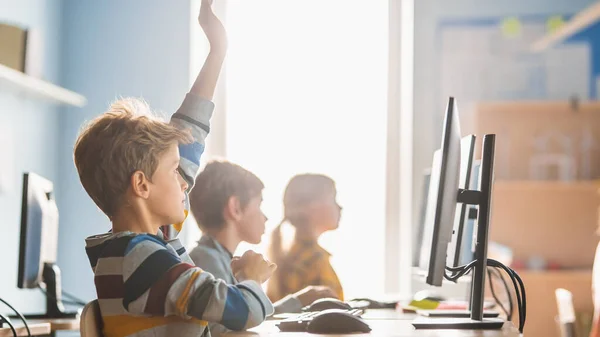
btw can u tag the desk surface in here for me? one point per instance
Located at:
(384, 323)
(36, 330)
(59, 324)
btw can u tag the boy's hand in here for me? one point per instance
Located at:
(252, 266)
(312, 293)
(212, 27)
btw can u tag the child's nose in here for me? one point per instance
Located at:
(184, 184)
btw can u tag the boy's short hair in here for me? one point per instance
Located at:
(114, 145)
(215, 185)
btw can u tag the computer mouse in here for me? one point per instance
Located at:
(327, 303)
(336, 321)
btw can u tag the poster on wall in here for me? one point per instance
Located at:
(491, 60)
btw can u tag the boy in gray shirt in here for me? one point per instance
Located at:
(225, 201)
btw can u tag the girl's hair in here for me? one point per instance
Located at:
(300, 191)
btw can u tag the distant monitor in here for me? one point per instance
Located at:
(467, 243)
(462, 210)
(420, 225)
(39, 244)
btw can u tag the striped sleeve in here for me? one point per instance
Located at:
(194, 114)
(157, 282)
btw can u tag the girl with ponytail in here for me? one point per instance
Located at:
(310, 209)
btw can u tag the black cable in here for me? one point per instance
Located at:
(459, 271)
(459, 268)
(12, 328)
(20, 316)
(73, 298)
(519, 291)
(508, 293)
(523, 294)
(500, 304)
(456, 276)
(63, 301)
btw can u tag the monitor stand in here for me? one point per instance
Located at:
(455, 313)
(457, 323)
(54, 306)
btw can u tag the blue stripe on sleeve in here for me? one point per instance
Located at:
(236, 311)
(191, 152)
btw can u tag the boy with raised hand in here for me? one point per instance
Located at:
(138, 170)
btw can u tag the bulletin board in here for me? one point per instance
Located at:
(489, 59)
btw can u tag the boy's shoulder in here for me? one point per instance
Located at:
(110, 244)
(207, 252)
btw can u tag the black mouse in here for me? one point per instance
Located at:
(336, 321)
(327, 303)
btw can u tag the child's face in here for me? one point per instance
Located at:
(251, 225)
(167, 189)
(326, 213)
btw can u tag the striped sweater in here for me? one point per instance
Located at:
(146, 283)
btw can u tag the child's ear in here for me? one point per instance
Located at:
(233, 208)
(140, 185)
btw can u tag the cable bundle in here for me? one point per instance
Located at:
(519, 287)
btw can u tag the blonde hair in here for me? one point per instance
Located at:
(110, 148)
(300, 191)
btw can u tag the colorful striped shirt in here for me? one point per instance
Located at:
(147, 285)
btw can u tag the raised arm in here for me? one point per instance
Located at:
(205, 83)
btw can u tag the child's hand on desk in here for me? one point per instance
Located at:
(310, 294)
(252, 266)
(212, 27)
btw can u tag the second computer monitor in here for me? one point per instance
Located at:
(442, 198)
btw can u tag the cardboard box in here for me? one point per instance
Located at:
(13, 44)
(542, 140)
(552, 220)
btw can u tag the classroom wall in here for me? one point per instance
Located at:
(29, 138)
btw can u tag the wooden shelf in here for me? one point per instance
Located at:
(40, 88)
(578, 23)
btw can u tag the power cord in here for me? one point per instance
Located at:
(18, 314)
(511, 305)
(73, 301)
(491, 272)
(12, 328)
(74, 298)
(519, 287)
(519, 291)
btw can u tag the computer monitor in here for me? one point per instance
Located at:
(467, 242)
(460, 218)
(420, 225)
(467, 148)
(446, 193)
(442, 201)
(39, 244)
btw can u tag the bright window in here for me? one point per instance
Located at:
(306, 91)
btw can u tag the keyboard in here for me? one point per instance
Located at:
(300, 322)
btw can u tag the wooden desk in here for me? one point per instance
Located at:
(397, 325)
(37, 329)
(70, 324)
